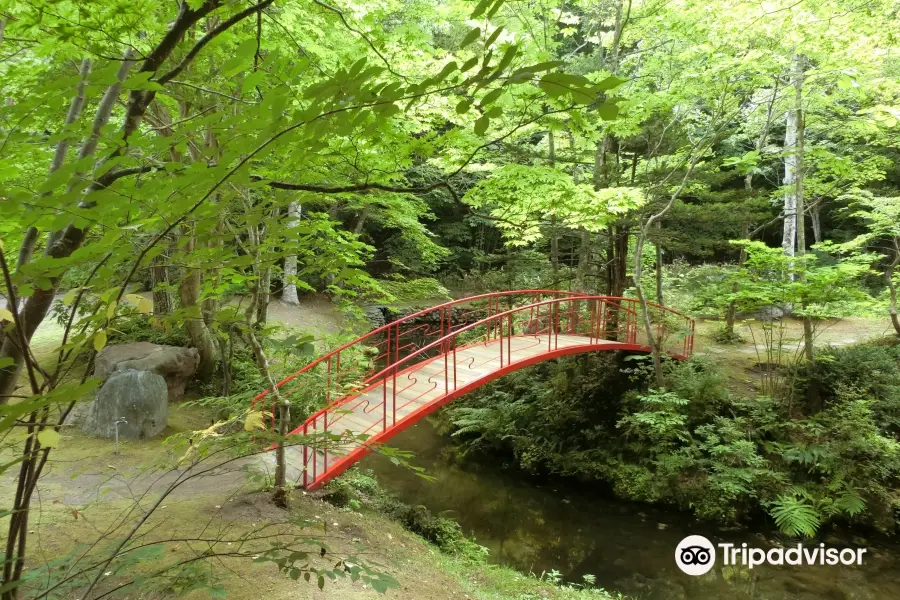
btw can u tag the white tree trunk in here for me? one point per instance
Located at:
(792, 122)
(289, 294)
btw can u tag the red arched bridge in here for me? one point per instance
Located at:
(388, 379)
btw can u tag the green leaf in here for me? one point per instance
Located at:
(481, 125)
(480, 8)
(6, 315)
(5, 466)
(608, 111)
(494, 9)
(252, 80)
(240, 58)
(544, 66)
(556, 85)
(6, 361)
(493, 37)
(794, 516)
(469, 64)
(321, 582)
(473, 35)
(491, 96)
(49, 438)
(507, 58)
(448, 68)
(100, 340)
(463, 106)
(69, 298)
(610, 83)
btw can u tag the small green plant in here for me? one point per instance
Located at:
(724, 336)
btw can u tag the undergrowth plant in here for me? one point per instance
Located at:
(805, 460)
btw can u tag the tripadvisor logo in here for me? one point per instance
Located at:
(696, 555)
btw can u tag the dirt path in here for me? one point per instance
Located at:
(315, 314)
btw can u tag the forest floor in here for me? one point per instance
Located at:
(743, 361)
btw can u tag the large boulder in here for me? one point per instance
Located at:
(140, 398)
(176, 365)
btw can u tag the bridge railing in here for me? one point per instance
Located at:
(522, 332)
(340, 372)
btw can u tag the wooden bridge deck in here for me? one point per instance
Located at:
(422, 387)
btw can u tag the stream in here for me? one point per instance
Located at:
(629, 548)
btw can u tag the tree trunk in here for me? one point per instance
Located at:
(198, 332)
(659, 275)
(892, 289)
(280, 496)
(792, 125)
(554, 221)
(732, 309)
(62, 243)
(584, 262)
(655, 341)
(815, 218)
(361, 219)
(289, 291)
(800, 126)
(263, 295)
(621, 260)
(799, 142)
(745, 227)
(554, 250)
(59, 158)
(159, 284)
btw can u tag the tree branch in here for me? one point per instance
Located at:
(206, 39)
(346, 189)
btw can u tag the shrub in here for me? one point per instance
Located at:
(872, 370)
(137, 328)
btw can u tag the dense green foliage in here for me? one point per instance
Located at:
(169, 169)
(701, 447)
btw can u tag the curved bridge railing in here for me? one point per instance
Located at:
(338, 372)
(391, 377)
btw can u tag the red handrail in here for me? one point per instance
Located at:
(602, 311)
(395, 325)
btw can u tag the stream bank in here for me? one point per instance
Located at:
(554, 528)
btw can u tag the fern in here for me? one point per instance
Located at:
(794, 516)
(850, 503)
(472, 420)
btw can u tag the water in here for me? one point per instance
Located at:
(628, 547)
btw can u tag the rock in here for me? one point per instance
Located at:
(375, 315)
(79, 413)
(139, 397)
(176, 365)
(773, 312)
